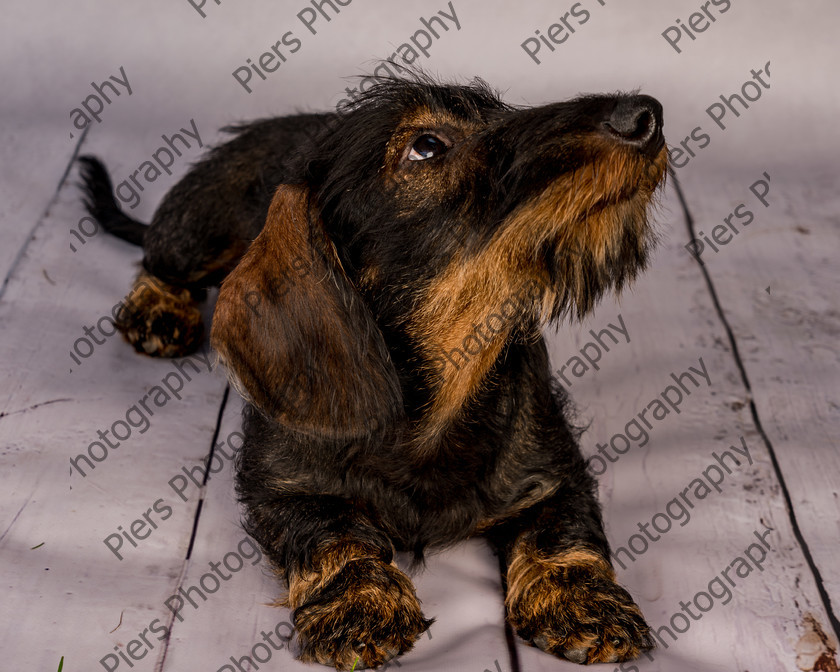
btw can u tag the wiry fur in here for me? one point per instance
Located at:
(367, 271)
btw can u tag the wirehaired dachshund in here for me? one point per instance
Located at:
(385, 273)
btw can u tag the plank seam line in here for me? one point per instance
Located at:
(22, 251)
(797, 532)
(510, 637)
(193, 534)
(17, 515)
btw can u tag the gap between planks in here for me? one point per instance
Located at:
(185, 565)
(736, 355)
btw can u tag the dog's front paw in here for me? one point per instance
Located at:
(364, 616)
(569, 605)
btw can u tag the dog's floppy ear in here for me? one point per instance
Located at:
(296, 337)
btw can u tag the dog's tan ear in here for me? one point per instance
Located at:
(298, 340)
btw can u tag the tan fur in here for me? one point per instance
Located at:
(328, 562)
(376, 616)
(527, 566)
(286, 333)
(582, 211)
(151, 300)
(569, 604)
(225, 261)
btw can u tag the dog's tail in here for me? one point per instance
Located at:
(100, 203)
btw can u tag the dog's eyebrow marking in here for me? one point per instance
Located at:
(425, 117)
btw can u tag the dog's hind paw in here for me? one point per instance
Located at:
(365, 616)
(570, 606)
(160, 320)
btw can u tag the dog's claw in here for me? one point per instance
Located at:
(541, 642)
(576, 655)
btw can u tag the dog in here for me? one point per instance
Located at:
(385, 272)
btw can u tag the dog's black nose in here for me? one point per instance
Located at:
(637, 121)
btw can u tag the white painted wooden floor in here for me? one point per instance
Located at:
(761, 319)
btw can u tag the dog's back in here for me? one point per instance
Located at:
(203, 225)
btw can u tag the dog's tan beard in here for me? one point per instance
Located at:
(591, 224)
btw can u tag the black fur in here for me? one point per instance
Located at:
(507, 463)
(102, 206)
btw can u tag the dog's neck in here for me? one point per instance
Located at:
(467, 317)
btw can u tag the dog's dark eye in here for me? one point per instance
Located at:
(425, 147)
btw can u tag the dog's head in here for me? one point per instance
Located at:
(425, 211)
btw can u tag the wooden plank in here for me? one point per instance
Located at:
(778, 287)
(31, 144)
(784, 242)
(51, 416)
(771, 174)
